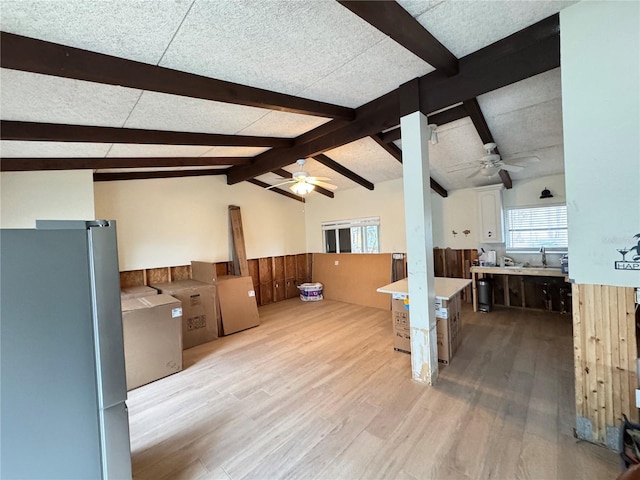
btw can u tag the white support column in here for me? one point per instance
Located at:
(417, 206)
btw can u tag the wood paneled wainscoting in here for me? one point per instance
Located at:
(605, 352)
(274, 278)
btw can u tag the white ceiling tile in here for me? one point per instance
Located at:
(387, 62)
(537, 89)
(11, 148)
(176, 113)
(135, 29)
(528, 129)
(234, 151)
(466, 26)
(278, 45)
(41, 98)
(418, 7)
(368, 159)
(282, 124)
(131, 150)
(159, 169)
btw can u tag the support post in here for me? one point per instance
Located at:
(417, 206)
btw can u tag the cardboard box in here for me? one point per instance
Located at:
(136, 292)
(448, 329)
(199, 315)
(205, 272)
(152, 330)
(401, 328)
(238, 307)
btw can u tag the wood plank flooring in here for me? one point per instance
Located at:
(317, 392)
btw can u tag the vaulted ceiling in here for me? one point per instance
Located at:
(145, 89)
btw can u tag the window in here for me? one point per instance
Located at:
(528, 229)
(360, 235)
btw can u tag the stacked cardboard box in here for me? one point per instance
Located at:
(199, 316)
(152, 330)
(136, 292)
(448, 326)
(235, 298)
(401, 329)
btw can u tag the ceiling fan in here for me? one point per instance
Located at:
(491, 163)
(302, 183)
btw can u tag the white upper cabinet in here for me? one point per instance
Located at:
(490, 217)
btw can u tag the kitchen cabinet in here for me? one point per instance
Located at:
(490, 217)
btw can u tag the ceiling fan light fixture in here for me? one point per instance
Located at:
(302, 188)
(433, 136)
(490, 170)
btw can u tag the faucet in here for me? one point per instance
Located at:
(544, 257)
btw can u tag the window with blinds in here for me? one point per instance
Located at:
(528, 229)
(360, 235)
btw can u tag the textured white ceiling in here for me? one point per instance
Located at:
(41, 98)
(137, 30)
(466, 26)
(11, 148)
(314, 49)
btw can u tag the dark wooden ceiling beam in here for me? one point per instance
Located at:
(393, 20)
(38, 56)
(323, 191)
(480, 122)
(114, 176)
(390, 147)
(94, 163)
(396, 152)
(55, 132)
(534, 50)
(441, 118)
(344, 171)
(262, 184)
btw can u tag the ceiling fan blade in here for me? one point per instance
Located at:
(462, 166)
(318, 178)
(511, 168)
(515, 159)
(322, 184)
(477, 172)
(280, 184)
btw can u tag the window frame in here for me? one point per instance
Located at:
(532, 248)
(362, 223)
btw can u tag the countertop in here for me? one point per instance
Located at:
(444, 287)
(532, 271)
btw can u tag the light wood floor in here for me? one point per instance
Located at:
(317, 391)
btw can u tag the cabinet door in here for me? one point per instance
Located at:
(490, 216)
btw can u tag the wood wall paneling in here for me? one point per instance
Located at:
(133, 278)
(158, 275)
(182, 272)
(303, 272)
(355, 278)
(278, 268)
(605, 352)
(254, 273)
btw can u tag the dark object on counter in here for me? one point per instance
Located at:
(564, 264)
(484, 295)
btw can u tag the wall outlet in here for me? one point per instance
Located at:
(337, 262)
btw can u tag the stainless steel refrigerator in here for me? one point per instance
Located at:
(63, 388)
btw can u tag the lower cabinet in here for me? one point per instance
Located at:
(542, 293)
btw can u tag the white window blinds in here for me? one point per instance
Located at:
(532, 228)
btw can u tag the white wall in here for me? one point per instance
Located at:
(58, 195)
(385, 201)
(165, 222)
(600, 51)
(456, 212)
